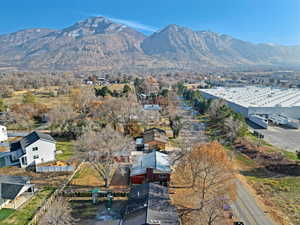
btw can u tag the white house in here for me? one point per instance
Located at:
(35, 148)
(3, 133)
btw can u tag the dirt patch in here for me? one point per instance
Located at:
(85, 212)
(120, 178)
(39, 179)
(272, 161)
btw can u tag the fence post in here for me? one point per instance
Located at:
(47, 203)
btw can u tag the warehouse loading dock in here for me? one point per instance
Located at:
(259, 103)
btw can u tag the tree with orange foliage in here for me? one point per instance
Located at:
(204, 180)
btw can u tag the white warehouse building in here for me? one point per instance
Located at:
(262, 101)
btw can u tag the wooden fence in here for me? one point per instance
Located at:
(48, 202)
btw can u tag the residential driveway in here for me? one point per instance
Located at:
(247, 210)
(286, 139)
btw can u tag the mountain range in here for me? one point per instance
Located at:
(99, 44)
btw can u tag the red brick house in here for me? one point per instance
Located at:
(151, 167)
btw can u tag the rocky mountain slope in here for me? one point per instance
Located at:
(209, 48)
(100, 44)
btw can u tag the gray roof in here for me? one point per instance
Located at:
(139, 141)
(111, 222)
(10, 191)
(30, 139)
(155, 134)
(14, 179)
(151, 107)
(155, 160)
(148, 204)
(10, 186)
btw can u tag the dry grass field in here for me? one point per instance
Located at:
(42, 95)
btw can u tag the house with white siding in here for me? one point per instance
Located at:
(3, 133)
(33, 149)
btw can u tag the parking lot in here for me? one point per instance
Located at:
(286, 139)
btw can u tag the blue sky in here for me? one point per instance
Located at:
(274, 21)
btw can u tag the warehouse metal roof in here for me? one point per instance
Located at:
(253, 96)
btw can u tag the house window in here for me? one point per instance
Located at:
(162, 176)
(24, 161)
(35, 149)
(36, 156)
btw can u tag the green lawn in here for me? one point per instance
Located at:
(66, 148)
(290, 155)
(244, 159)
(24, 214)
(4, 213)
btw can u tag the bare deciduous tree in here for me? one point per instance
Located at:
(101, 148)
(234, 128)
(214, 108)
(58, 214)
(82, 99)
(122, 111)
(60, 114)
(183, 146)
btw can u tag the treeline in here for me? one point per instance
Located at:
(105, 91)
(11, 82)
(222, 123)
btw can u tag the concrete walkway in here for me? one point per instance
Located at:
(15, 204)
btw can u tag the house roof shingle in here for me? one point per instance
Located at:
(148, 204)
(30, 139)
(155, 160)
(14, 179)
(10, 191)
(10, 186)
(155, 134)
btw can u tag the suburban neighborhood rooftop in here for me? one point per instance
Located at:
(29, 139)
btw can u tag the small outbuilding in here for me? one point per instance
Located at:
(155, 139)
(152, 107)
(15, 190)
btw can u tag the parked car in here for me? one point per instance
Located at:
(238, 223)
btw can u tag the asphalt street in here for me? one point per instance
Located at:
(245, 208)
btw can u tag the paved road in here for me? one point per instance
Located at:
(246, 209)
(286, 139)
